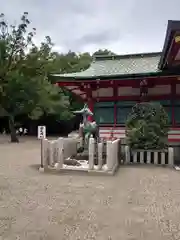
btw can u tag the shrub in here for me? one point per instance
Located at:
(147, 126)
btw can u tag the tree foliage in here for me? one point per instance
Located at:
(24, 84)
(147, 127)
(103, 52)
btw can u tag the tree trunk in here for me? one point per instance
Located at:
(14, 138)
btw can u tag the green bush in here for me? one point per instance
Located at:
(147, 126)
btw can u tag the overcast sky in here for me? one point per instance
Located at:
(86, 25)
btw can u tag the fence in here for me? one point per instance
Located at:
(107, 160)
(104, 154)
(165, 157)
(54, 152)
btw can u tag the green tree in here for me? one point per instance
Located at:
(147, 127)
(24, 84)
(68, 63)
(103, 52)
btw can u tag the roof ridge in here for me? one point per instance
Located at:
(117, 57)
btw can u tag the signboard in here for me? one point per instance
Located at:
(41, 132)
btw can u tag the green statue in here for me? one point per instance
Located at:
(87, 128)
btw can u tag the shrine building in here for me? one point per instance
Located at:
(113, 84)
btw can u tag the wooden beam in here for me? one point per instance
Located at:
(173, 94)
(90, 102)
(115, 93)
(121, 82)
(134, 98)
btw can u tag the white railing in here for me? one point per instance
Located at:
(156, 157)
(55, 152)
(109, 164)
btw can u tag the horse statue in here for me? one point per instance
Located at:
(87, 128)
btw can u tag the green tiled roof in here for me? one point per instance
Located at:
(118, 65)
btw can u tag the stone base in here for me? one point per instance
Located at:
(81, 156)
(177, 168)
(108, 172)
(72, 170)
(41, 169)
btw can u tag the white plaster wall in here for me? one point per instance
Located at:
(124, 91)
(159, 89)
(103, 92)
(178, 88)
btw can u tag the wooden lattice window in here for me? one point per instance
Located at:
(104, 113)
(177, 111)
(123, 110)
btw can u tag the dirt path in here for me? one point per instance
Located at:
(138, 203)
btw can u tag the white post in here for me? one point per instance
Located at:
(148, 157)
(100, 155)
(51, 153)
(55, 151)
(135, 157)
(91, 153)
(127, 154)
(116, 147)
(61, 159)
(155, 157)
(162, 158)
(60, 153)
(141, 157)
(170, 156)
(110, 154)
(42, 136)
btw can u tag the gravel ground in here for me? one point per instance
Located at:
(138, 203)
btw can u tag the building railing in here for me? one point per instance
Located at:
(108, 133)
